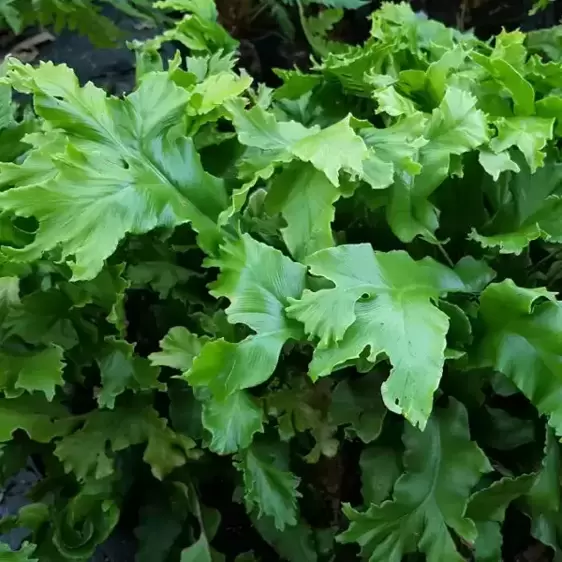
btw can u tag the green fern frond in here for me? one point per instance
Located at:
(84, 16)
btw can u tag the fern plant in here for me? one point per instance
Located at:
(84, 16)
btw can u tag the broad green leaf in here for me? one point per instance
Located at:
(357, 68)
(437, 74)
(398, 144)
(40, 419)
(475, 274)
(179, 349)
(521, 338)
(331, 150)
(122, 170)
(269, 488)
(429, 502)
(89, 452)
(521, 91)
(528, 134)
(38, 164)
(295, 84)
(393, 103)
(496, 163)
(232, 422)
(407, 215)
(121, 369)
(258, 281)
(198, 30)
(384, 302)
(392, 22)
(530, 210)
(455, 127)
(488, 543)
(305, 198)
(215, 91)
(259, 129)
(510, 47)
(551, 107)
(198, 552)
(489, 504)
(546, 41)
(39, 371)
(318, 28)
(45, 318)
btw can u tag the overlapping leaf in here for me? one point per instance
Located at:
(529, 209)
(121, 370)
(522, 339)
(331, 150)
(121, 169)
(383, 302)
(32, 413)
(232, 421)
(90, 451)
(305, 197)
(269, 486)
(441, 466)
(39, 371)
(487, 508)
(259, 281)
(455, 127)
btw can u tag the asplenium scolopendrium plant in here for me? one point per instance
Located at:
(353, 279)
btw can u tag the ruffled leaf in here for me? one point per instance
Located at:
(121, 169)
(429, 502)
(268, 486)
(259, 281)
(383, 302)
(522, 339)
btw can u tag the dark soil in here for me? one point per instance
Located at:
(264, 46)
